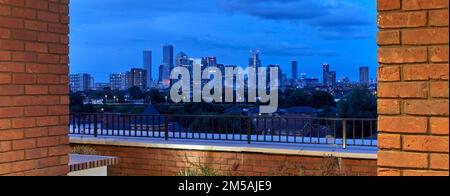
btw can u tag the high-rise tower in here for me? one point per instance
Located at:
(147, 65)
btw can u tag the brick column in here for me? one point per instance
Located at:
(413, 89)
(34, 87)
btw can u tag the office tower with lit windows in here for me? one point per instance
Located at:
(81, 82)
(254, 60)
(332, 79)
(182, 59)
(209, 61)
(119, 81)
(326, 71)
(294, 70)
(167, 64)
(364, 75)
(147, 65)
(138, 78)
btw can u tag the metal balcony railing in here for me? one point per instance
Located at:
(250, 129)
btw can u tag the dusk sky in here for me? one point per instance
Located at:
(109, 35)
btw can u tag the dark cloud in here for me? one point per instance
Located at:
(333, 19)
(280, 49)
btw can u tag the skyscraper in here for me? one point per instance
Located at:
(332, 79)
(294, 70)
(364, 75)
(160, 73)
(182, 59)
(168, 55)
(209, 61)
(138, 78)
(168, 64)
(81, 82)
(326, 71)
(119, 81)
(147, 65)
(254, 60)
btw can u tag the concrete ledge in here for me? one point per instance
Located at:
(79, 162)
(312, 150)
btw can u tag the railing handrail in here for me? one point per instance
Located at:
(232, 116)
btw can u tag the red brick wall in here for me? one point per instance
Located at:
(413, 89)
(135, 161)
(34, 87)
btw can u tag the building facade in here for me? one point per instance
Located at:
(119, 81)
(294, 69)
(138, 78)
(167, 65)
(364, 75)
(147, 65)
(326, 71)
(332, 79)
(81, 82)
(254, 60)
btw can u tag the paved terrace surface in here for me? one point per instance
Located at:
(231, 146)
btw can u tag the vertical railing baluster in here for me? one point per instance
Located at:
(219, 128)
(186, 127)
(344, 134)
(334, 132)
(135, 125)
(303, 129)
(101, 121)
(354, 131)
(295, 130)
(173, 126)
(240, 128)
(326, 131)
(371, 133)
(212, 127)
(141, 124)
(107, 122)
(226, 128)
(124, 120)
(113, 125)
(287, 130)
(166, 127)
(84, 123)
(257, 128)
(318, 131)
(95, 126)
(153, 125)
(89, 123)
(272, 130)
(249, 130)
(280, 128)
(146, 125)
(74, 125)
(265, 128)
(362, 132)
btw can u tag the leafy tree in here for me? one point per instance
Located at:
(313, 98)
(155, 96)
(320, 99)
(297, 98)
(136, 93)
(76, 102)
(360, 103)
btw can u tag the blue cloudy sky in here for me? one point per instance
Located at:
(109, 35)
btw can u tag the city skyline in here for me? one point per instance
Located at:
(171, 60)
(112, 40)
